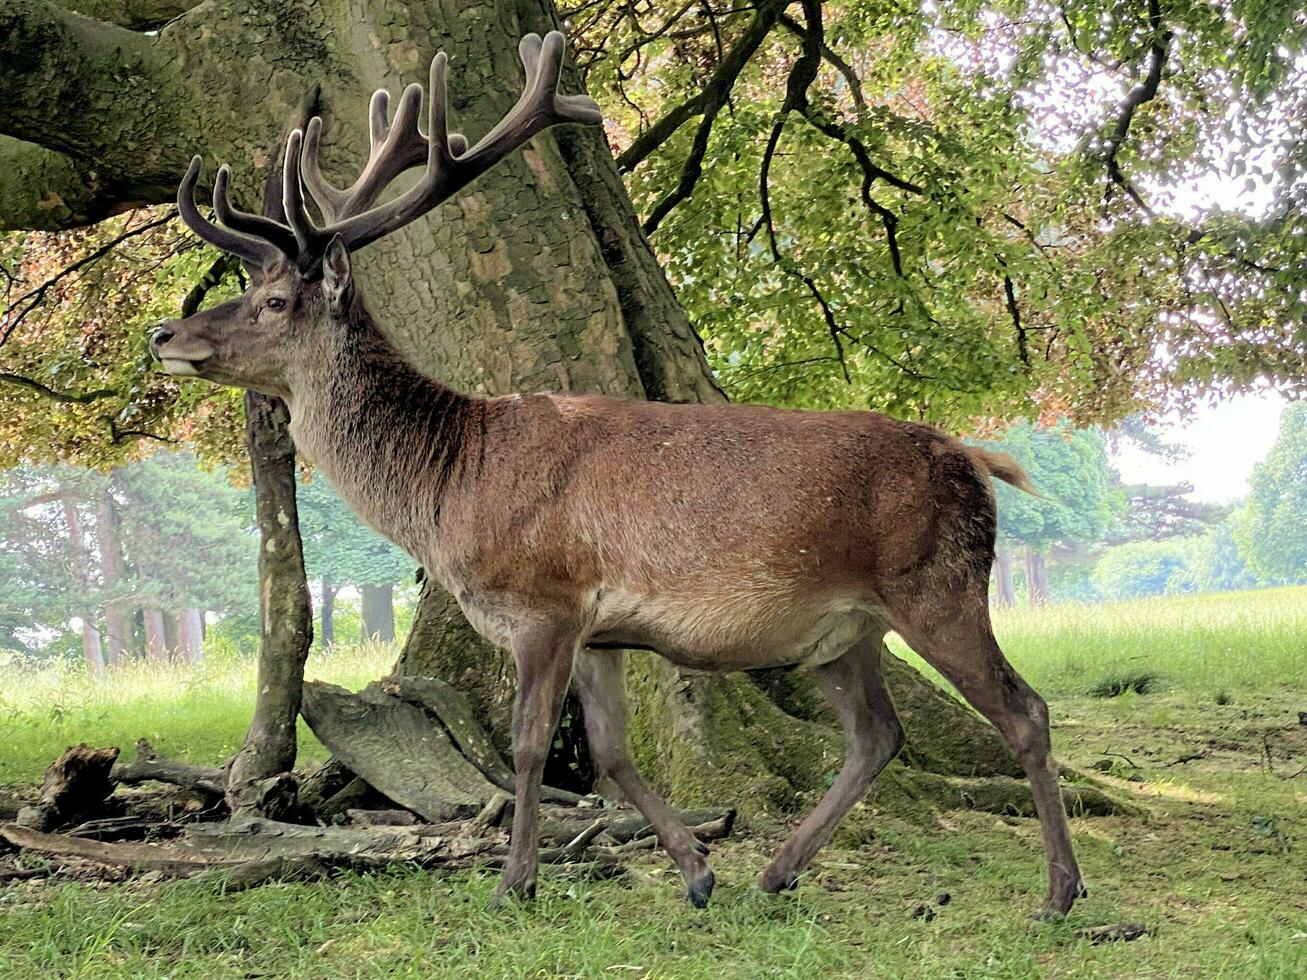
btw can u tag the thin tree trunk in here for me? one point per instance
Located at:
(117, 616)
(190, 635)
(156, 640)
(1004, 592)
(287, 617)
(1036, 577)
(92, 650)
(327, 629)
(378, 613)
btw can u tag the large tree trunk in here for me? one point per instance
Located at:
(156, 639)
(536, 277)
(378, 607)
(286, 615)
(117, 614)
(189, 630)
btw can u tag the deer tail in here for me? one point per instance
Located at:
(1003, 467)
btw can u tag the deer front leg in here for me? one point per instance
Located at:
(544, 663)
(601, 686)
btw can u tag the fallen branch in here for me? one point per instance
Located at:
(1120, 932)
(149, 765)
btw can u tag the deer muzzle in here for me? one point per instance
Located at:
(179, 355)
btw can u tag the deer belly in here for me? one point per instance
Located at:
(692, 632)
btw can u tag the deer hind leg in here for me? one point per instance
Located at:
(601, 685)
(873, 736)
(544, 663)
(960, 645)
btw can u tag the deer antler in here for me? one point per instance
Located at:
(396, 145)
(256, 250)
(450, 165)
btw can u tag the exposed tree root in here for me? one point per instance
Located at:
(149, 765)
(993, 794)
(77, 784)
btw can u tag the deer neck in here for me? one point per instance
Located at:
(390, 439)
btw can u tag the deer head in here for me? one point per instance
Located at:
(302, 296)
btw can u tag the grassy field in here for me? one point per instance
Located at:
(1216, 865)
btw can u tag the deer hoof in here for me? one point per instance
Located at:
(773, 881)
(511, 892)
(1056, 906)
(699, 890)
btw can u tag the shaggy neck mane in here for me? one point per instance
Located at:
(387, 436)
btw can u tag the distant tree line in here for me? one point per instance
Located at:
(139, 561)
(1088, 536)
(130, 559)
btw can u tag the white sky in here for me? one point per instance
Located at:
(1224, 440)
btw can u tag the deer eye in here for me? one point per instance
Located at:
(275, 303)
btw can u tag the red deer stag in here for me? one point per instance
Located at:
(729, 537)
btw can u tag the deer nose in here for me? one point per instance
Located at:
(159, 336)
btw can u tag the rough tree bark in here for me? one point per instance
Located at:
(287, 619)
(536, 277)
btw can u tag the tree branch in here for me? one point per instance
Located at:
(1014, 311)
(63, 397)
(17, 311)
(44, 190)
(223, 266)
(691, 171)
(1145, 91)
(62, 78)
(835, 61)
(135, 15)
(714, 94)
(108, 106)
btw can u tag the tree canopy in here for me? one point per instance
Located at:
(970, 208)
(182, 537)
(340, 548)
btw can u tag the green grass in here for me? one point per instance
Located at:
(1215, 866)
(197, 714)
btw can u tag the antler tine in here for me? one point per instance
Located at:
(243, 221)
(539, 106)
(311, 241)
(394, 147)
(256, 252)
(450, 165)
(329, 198)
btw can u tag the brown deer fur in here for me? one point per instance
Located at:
(723, 537)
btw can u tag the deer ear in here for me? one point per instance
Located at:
(337, 279)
